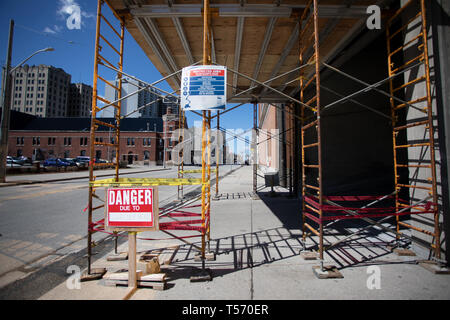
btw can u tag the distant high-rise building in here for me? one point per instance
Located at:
(40, 90)
(80, 100)
(168, 102)
(135, 101)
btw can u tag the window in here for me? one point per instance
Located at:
(20, 141)
(83, 141)
(67, 141)
(146, 142)
(130, 141)
(51, 141)
(36, 141)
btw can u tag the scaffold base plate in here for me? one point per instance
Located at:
(96, 274)
(329, 272)
(117, 256)
(201, 275)
(434, 267)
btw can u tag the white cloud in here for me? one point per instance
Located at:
(53, 30)
(49, 30)
(73, 10)
(66, 7)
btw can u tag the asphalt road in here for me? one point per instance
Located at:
(40, 219)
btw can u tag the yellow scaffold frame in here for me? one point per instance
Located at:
(204, 181)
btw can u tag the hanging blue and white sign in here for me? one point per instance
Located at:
(204, 88)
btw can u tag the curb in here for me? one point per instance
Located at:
(9, 184)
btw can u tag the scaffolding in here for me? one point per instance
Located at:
(423, 118)
(97, 101)
(320, 211)
(187, 217)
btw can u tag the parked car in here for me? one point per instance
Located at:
(70, 161)
(82, 161)
(12, 163)
(22, 160)
(55, 162)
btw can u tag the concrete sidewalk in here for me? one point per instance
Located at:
(257, 245)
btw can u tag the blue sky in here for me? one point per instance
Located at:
(43, 23)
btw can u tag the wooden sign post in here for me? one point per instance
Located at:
(132, 277)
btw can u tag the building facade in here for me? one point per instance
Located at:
(80, 100)
(41, 90)
(141, 139)
(130, 106)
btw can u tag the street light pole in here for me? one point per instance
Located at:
(6, 100)
(6, 105)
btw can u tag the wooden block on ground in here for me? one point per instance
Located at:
(201, 275)
(146, 284)
(96, 273)
(117, 256)
(434, 267)
(149, 267)
(309, 255)
(156, 281)
(140, 276)
(404, 252)
(198, 257)
(329, 272)
(210, 256)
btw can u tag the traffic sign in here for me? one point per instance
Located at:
(204, 88)
(132, 209)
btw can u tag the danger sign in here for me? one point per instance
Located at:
(131, 208)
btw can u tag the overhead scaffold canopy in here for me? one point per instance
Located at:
(273, 51)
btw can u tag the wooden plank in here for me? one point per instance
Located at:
(155, 277)
(146, 284)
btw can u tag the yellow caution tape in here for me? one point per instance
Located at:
(145, 182)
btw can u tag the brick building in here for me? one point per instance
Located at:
(141, 139)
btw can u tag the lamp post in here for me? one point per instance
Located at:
(6, 100)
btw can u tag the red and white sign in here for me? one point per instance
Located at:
(207, 73)
(131, 207)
